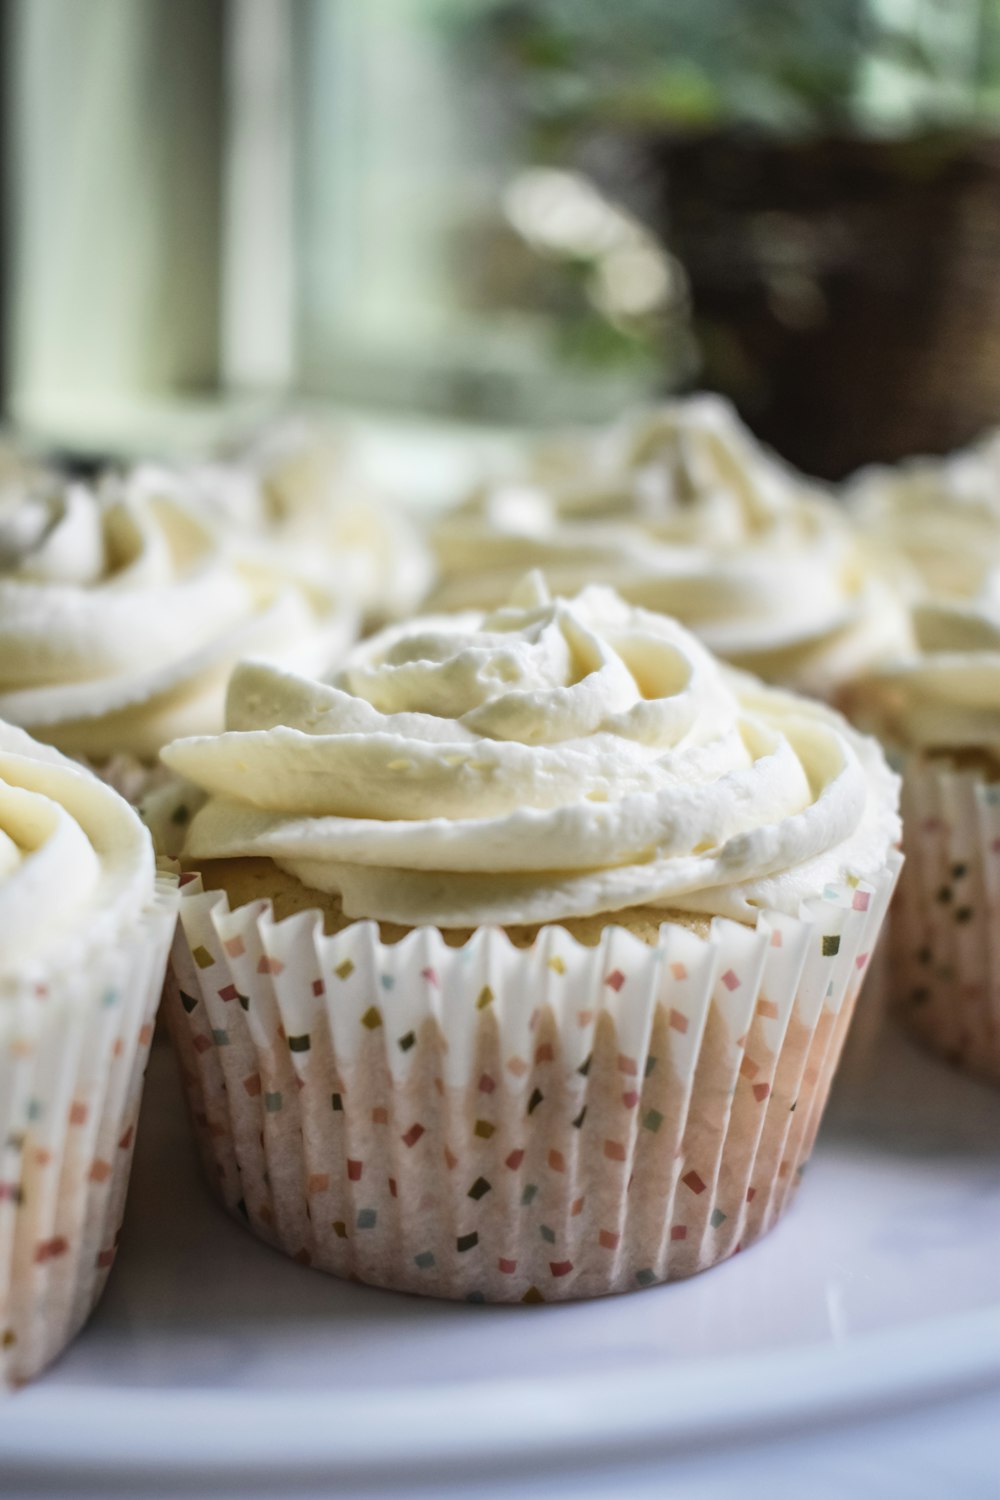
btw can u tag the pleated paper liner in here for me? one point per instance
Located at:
(946, 922)
(502, 1124)
(73, 1052)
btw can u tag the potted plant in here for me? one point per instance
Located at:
(827, 174)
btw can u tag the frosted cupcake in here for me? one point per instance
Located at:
(515, 959)
(85, 925)
(122, 611)
(682, 511)
(937, 519)
(302, 485)
(938, 710)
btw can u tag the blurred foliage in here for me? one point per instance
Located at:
(785, 67)
(708, 94)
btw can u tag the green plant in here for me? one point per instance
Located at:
(786, 67)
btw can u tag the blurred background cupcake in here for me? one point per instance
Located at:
(935, 520)
(938, 712)
(681, 510)
(86, 924)
(300, 483)
(516, 958)
(124, 605)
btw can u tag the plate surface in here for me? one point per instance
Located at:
(210, 1352)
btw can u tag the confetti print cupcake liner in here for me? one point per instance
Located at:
(73, 1050)
(945, 926)
(502, 1124)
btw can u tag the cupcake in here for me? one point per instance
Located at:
(938, 712)
(123, 608)
(85, 927)
(682, 511)
(515, 958)
(302, 485)
(936, 519)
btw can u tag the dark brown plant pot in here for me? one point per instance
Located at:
(846, 293)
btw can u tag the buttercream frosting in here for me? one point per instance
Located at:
(556, 758)
(945, 695)
(936, 520)
(122, 610)
(75, 860)
(301, 484)
(682, 511)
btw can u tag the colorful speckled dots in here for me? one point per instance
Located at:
(500, 1124)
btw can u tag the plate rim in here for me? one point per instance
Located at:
(391, 1429)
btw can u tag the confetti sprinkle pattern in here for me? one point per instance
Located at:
(945, 927)
(67, 1129)
(514, 1125)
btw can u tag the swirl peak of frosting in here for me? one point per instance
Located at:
(74, 857)
(555, 758)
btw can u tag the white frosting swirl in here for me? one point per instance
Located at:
(75, 861)
(936, 519)
(681, 511)
(122, 611)
(301, 485)
(945, 696)
(558, 758)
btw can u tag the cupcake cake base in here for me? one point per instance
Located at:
(501, 1123)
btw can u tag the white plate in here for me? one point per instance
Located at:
(212, 1354)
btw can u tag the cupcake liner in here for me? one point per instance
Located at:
(73, 1050)
(503, 1124)
(945, 927)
